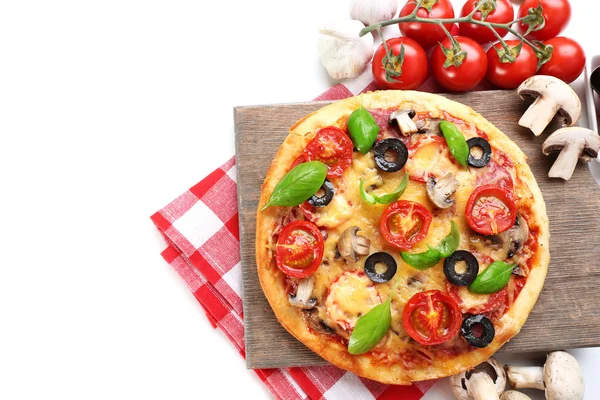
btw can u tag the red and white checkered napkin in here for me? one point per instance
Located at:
(202, 233)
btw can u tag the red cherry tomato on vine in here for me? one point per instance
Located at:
(567, 62)
(503, 14)
(509, 75)
(557, 14)
(464, 77)
(413, 68)
(426, 35)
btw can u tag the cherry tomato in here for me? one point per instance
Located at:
(332, 147)
(413, 69)
(429, 156)
(557, 14)
(300, 249)
(468, 74)
(509, 75)
(426, 35)
(503, 14)
(567, 62)
(405, 223)
(490, 210)
(431, 317)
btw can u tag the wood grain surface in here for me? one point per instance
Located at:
(567, 314)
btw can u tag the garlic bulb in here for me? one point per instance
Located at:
(343, 53)
(373, 11)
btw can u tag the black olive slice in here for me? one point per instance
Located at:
(471, 271)
(383, 258)
(486, 152)
(322, 201)
(391, 145)
(487, 331)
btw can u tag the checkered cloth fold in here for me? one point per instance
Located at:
(202, 235)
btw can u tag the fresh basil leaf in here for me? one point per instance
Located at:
(363, 129)
(298, 185)
(493, 279)
(371, 327)
(431, 257)
(384, 198)
(422, 261)
(456, 142)
(366, 196)
(450, 243)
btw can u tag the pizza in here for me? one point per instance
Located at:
(401, 236)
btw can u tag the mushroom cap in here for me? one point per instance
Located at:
(547, 86)
(351, 245)
(514, 395)
(439, 192)
(490, 366)
(562, 377)
(559, 139)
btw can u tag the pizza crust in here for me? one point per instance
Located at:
(335, 352)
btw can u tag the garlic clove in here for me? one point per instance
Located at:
(371, 12)
(343, 52)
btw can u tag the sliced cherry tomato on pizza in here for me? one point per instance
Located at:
(429, 156)
(431, 317)
(299, 249)
(491, 210)
(333, 148)
(405, 223)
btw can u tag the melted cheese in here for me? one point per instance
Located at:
(350, 296)
(472, 301)
(431, 159)
(335, 213)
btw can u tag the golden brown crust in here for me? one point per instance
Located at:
(335, 352)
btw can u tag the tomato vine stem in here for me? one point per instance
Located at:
(413, 17)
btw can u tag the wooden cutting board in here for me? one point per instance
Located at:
(567, 314)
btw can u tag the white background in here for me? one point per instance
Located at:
(109, 110)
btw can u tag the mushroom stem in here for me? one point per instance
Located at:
(526, 377)
(404, 119)
(481, 387)
(566, 162)
(538, 115)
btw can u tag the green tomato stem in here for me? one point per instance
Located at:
(452, 40)
(412, 17)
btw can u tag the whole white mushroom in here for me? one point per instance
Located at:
(514, 395)
(560, 377)
(484, 382)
